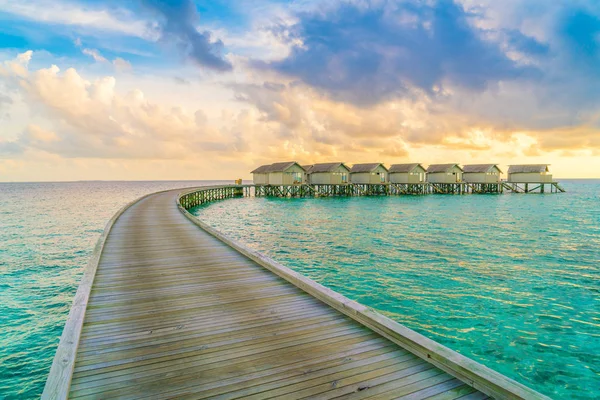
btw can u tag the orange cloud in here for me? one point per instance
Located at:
(93, 122)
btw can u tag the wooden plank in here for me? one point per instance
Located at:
(152, 325)
(406, 387)
(457, 392)
(302, 360)
(205, 340)
(336, 384)
(220, 375)
(271, 349)
(243, 386)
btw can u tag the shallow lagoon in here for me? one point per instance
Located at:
(512, 281)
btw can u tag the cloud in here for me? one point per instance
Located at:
(372, 51)
(16, 67)
(10, 149)
(531, 65)
(570, 138)
(395, 128)
(90, 119)
(181, 81)
(95, 54)
(74, 116)
(119, 63)
(122, 65)
(178, 21)
(117, 20)
(526, 44)
(35, 133)
(4, 99)
(514, 65)
(299, 114)
(560, 38)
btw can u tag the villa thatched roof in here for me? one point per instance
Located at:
(357, 168)
(436, 168)
(327, 167)
(263, 169)
(479, 168)
(528, 168)
(307, 168)
(277, 167)
(282, 166)
(405, 168)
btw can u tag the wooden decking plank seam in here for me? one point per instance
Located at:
(198, 323)
(372, 388)
(217, 378)
(247, 352)
(253, 297)
(324, 371)
(167, 323)
(275, 382)
(304, 320)
(302, 361)
(406, 390)
(189, 291)
(346, 380)
(209, 293)
(149, 292)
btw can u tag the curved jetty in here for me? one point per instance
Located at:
(170, 308)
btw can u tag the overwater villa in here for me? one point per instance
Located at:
(444, 173)
(407, 173)
(283, 173)
(336, 179)
(373, 173)
(336, 173)
(286, 173)
(260, 175)
(529, 173)
(481, 173)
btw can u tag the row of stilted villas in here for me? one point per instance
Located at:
(338, 173)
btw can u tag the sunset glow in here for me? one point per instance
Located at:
(210, 90)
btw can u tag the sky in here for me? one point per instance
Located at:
(211, 89)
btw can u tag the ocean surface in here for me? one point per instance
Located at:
(512, 280)
(47, 234)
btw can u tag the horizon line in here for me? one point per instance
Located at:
(185, 180)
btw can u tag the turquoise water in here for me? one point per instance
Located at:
(512, 281)
(47, 233)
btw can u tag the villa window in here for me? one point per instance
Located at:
(296, 177)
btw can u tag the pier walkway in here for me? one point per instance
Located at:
(174, 312)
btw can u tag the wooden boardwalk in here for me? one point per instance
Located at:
(174, 312)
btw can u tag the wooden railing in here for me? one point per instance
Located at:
(207, 194)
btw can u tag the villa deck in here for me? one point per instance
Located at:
(168, 310)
